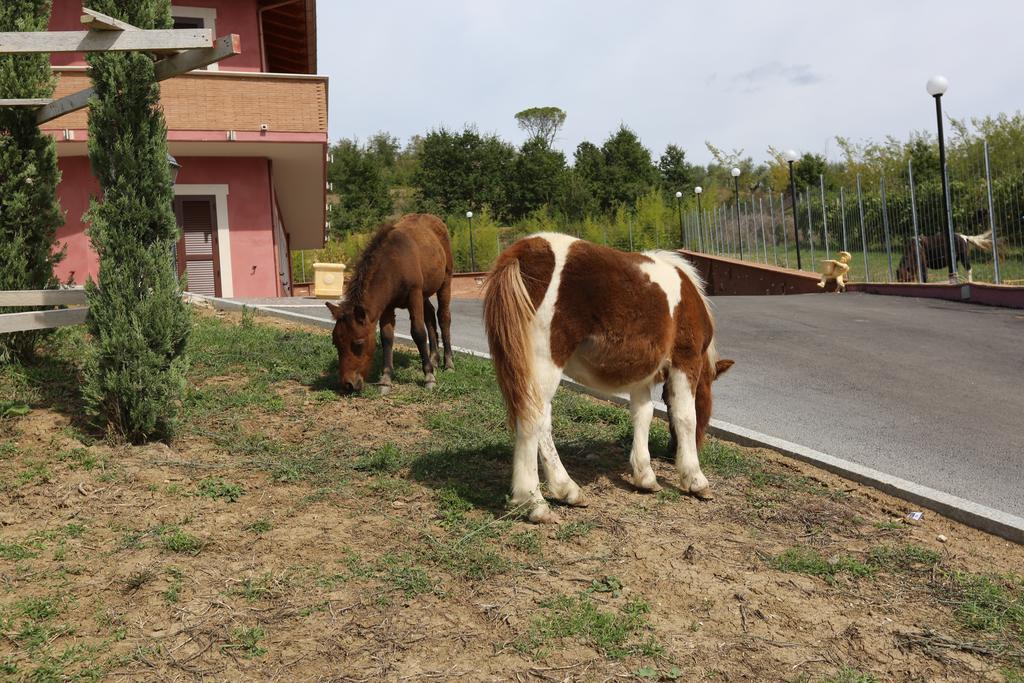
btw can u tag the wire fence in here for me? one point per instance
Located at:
(895, 227)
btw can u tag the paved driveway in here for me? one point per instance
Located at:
(926, 390)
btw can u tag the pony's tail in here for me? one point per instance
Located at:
(508, 313)
(982, 241)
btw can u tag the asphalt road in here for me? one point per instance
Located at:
(930, 391)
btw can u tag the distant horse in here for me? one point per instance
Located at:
(935, 254)
(613, 321)
(403, 265)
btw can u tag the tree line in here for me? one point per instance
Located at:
(519, 188)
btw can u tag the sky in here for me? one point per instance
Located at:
(742, 75)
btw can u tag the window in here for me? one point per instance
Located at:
(196, 17)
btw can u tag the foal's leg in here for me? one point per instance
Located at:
(444, 315)
(641, 409)
(387, 347)
(684, 419)
(666, 398)
(419, 335)
(431, 322)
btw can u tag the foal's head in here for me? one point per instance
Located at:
(703, 398)
(355, 340)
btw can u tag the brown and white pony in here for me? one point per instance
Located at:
(934, 252)
(614, 321)
(404, 264)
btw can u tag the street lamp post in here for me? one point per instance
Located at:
(936, 86)
(679, 208)
(700, 235)
(736, 201)
(791, 156)
(472, 249)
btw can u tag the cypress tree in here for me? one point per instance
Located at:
(29, 212)
(135, 371)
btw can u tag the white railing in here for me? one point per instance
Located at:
(42, 320)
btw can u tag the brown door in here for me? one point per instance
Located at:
(197, 248)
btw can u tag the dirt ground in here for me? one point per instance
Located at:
(301, 549)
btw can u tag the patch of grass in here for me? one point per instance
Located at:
(172, 593)
(572, 530)
(255, 588)
(846, 675)
(248, 641)
(387, 459)
(727, 460)
(259, 527)
(390, 488)
(903, 557)
(80, 458)
(890, 525)
(526, 541)
(802, 560)
(36, 473)
(178, 541)
(219, 489)
(8, 449)
(37, 609)
(994, 604)
(401, 573)
(15, 551)
(670, 495)
(615, 633)
(1013, 675)
(452, 507)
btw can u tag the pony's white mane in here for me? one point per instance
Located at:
(674, 258)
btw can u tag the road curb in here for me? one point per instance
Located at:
(1003, 524)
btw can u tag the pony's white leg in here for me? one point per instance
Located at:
(684, 420)
(525, 480)
(641, 409)
(560, 484)
(970, 275)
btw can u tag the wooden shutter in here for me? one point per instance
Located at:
(198, 258)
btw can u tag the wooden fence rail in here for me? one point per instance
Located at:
(42, 320)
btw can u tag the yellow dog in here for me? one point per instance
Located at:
(835, 270)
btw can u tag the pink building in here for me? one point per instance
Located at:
(250, 134)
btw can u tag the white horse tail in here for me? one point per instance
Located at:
(508, 314)
(982, 241)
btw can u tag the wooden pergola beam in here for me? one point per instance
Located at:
(97, 21)
(224, 47)
(161, 40)
(24, 103)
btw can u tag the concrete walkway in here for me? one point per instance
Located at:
(925, 390)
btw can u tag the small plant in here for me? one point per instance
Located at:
(216, 488)
(178, 541)
(608, 584)
(172, 593)
(526, 541)
(259, 527)
(248, 641)
(613, 633)
(400, 573)
(903, 557)
(809, 561)
(452, 507)
(387, 459)
(137, 579)
(15, 551)
(846, 675)
(13, 409)
(573, 530)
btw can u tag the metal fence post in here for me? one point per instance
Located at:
(775, 238)
(764, 238)
(810, 225)
(824, 213)
(991, 216)
(785, 235)
(913, 216)
(842, 215)
(863, 235)
(885, 227)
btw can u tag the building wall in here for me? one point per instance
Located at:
(253, 261)
(233, 16)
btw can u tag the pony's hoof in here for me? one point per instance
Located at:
(430, 385)
(647, 484)
(542, 514)
(703, 494)
(385, 389)
(575, 498)
(449, 364)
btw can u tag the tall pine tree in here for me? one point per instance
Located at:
(140, 325)
(29, 212)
